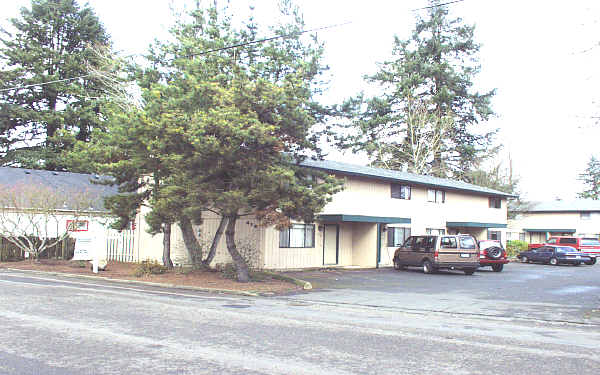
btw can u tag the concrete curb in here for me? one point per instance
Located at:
(137, 282)
(304, 284)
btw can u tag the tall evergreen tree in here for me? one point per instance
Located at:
(228, 127)
(51, 43)
(433, 68)
(591, 180)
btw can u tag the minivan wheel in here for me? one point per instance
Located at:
(524, 259)
(427, 266)
(591, 261)
(469, 271)
(554, 261)
(497, 267)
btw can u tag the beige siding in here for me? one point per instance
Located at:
(357, 241)
(555, 220)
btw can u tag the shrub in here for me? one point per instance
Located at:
(515, 247)
(149, 267)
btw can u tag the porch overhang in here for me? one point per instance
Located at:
(542, 230)
(472, 224)
(363, 219)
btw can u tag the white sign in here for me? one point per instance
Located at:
(84, 248)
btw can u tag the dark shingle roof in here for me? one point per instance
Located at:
(66, 183)
(397, 176)
(576, 205)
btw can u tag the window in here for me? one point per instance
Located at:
(552, 241)
(522, 236)
(77, 225)
(495, 202)
(437, 196)
(448, 242)
(585, 215)
(435, 232)
(397, 236)
(400, 191)
(298, 235)
(467, 243)
(494, 235)
(568, 241)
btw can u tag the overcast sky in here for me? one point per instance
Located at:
(543, 57)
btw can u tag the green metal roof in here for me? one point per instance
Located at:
(550, 230)
(401, 177)
(471, 224)
(363, 219)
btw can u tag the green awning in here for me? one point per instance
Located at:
(550, 230)
(472, 224)
(363, 219)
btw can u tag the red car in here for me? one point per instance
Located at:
(492, 254)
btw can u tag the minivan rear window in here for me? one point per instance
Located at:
(467, 243)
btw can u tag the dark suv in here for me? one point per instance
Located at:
(492, 254)
(437, 252)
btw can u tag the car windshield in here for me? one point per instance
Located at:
(590, 243)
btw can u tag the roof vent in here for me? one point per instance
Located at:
(55, 173)
(97, 177)
(27, 172)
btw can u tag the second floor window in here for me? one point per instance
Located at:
(495, 202)
(400, 191)
(585, 215)
(437, 196)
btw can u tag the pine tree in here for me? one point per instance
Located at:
(224, 129)
(434, 69)
(51, 42)
(591, 180)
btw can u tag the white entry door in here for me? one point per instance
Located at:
(330, 244)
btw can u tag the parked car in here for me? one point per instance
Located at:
(438, 252)
(588, 246)
(492, 254)
(554, 255)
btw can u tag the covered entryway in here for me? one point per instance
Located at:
(356, 240)
(539, 235)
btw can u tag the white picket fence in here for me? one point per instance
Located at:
(120, 246)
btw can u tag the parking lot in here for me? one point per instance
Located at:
(554, 293)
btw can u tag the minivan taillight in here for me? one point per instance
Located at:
(435, 255)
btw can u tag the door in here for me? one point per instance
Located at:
(331, 242)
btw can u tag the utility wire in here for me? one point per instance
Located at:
(439, 5)
(266, 39)
(232, 46)
(45, 83)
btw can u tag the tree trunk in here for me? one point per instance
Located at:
(192, 244)
(167, 246)
(241, 267)
(215, 242)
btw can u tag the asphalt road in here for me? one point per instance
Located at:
(58, 325)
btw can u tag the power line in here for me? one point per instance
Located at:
(232, 46)
(266, 39)
(45, 83)
(439, 5)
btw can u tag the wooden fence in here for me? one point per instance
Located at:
(62, 250)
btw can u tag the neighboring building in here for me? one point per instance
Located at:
(364, 223)
(580, 217)
(76, 203)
